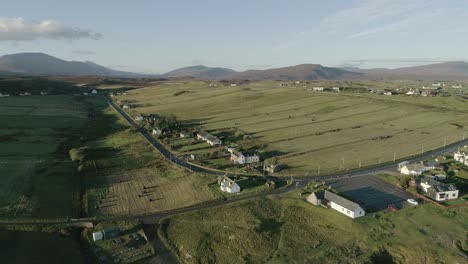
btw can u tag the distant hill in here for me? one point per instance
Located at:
(455, 70)
(298, 72)
(200, 72)
(43, 64)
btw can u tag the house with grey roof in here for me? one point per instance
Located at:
(415, 168)
(244, 157)
(336, 202)
(461, 155)
(228, 185)
(438, 191)
(210, 139)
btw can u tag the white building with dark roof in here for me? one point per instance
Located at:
(336, 202)
(244, 157)
(439, 191)
(228, 185)
(210, 139)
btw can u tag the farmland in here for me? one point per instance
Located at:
(289, 230)
(125, 175)
(38, 179)
(310, 132)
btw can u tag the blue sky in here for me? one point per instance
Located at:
(158, 36)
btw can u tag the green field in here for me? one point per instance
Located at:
(289, 230)
(124, 174)
(310, 131)
(38, 247)
(37, 177)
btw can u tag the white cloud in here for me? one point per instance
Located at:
(20, 29)
(369, 17)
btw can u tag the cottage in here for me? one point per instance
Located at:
(233, 84)
(94, 91)
(335, 89)
(318, 89)
(125, 107)
(228, 185)
(336, 202)
(157, 131)
(43, 93)
(271, 168)
(438, 191)
(138, 118)
(415, 169)
(436, 84)
(210, 139)
(244, 158)
(107, 233)
(387, 93)
(461, 156)
(185, 134)
(457, 86)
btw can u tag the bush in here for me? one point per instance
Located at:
(77, 154)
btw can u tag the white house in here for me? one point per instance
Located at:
(438, 191)
(457, 86)
(94, 91)
(461, 156)
(228, 185)
(336, 202)
(244, 158)
(125, 106)
(157, 132)
(43, 93)
(318, 89)
(415, 169)
(138, 118)
(210, 139)
(387, 93)
(184, 134)
(335, 89)
(436, 84)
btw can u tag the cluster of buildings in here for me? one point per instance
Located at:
(238, 157)
(323, 89)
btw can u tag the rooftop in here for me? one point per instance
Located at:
(341, 201)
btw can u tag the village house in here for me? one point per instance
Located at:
(157, 132)
(43, 93)
(125, 106)
(94, 91)
(138, 118)
(413, 92)
(414, 168)
(438, 191)
(210, 139)
(271, 168)
(185, 134)
(457, 86)
(335, 89)
(461, 156)
(244, 158)
(436, 84)
(107, 233)
(318, 89)
(387, 93)
(228, 185)
(336, 202)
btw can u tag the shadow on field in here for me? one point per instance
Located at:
(273, 153)
(102, 153)
(191, 123)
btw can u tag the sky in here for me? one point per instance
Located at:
(158, 36)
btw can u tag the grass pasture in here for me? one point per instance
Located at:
(311, 130)
(125, 175)
(289, 230)
(37, 177)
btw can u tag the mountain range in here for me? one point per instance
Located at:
(43, 64)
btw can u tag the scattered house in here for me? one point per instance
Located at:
(233, 84)
(185, 134)
(125, 106)
(228, 185)
(298, 82)
(318, 89)
(461, 155)
(428, 93)
(85, 93)
(111, 95)
(138, 118)
(193, 156)
(387, 93)
(438, 191)
(150, 117)
(244, 158)
(157, 132)
(413, 92)
(43, 93)
(107, 233)
(230, 149)
(271, 168)
(94, 91)
(457, 86)
(25, 94)
(436, 85)
(210, 139)
(402, 164)
(335, 89)
(415, 168)
(336, 202)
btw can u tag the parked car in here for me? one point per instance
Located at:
(412, 201)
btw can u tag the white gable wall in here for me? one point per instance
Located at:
(353, 214)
